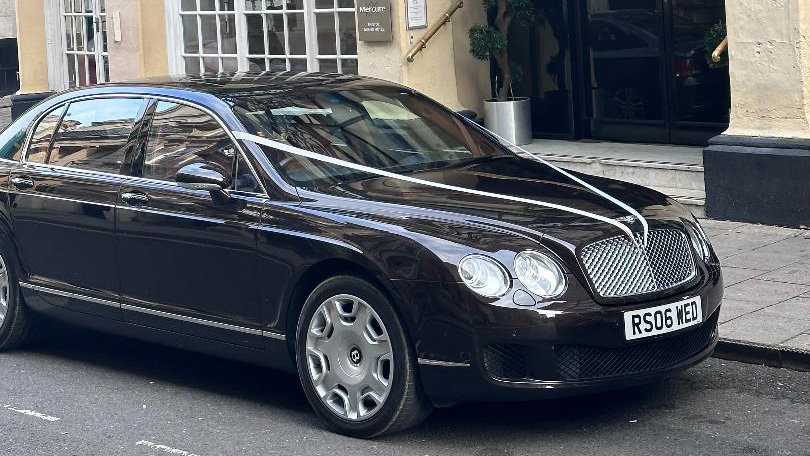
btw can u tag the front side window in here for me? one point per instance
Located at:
(41, 139)
(94, 134)
(182, 135)
(268, 35)
(384, 128)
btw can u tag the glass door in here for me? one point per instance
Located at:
(84, 26)
(623, 43)
(701, 97)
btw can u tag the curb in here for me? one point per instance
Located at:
(768, 355)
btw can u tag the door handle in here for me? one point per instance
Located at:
(22, 182)
(134, 198)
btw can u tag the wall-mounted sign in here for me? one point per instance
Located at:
(416, 12)
(374, 20)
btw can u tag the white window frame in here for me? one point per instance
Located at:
(56, 47)
(174, 33)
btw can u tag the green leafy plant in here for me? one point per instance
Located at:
(714, 36)
(491, 41)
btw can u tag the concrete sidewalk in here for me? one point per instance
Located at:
(767, 279)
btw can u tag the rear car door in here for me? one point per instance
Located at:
(63, 198)
(187, 260)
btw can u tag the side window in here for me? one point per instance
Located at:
(41, 139)
(94, 134)
(246, 181)
(182, 135)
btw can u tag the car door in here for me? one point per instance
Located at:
(63, 197)
(188, 260)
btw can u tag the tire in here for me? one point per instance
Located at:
(18, 325)
(356, 366)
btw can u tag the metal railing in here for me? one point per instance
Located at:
(444, 19)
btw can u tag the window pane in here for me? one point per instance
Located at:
(253, 5)
(230, 65)
(104, 33)
(68, 5)
(279, 64)
(188, 5)
(88, 5)
(192, 65)
(298, 65)
(275, 34)
(226, 5)
(77, 33)
(91, 36)
(71, 66)
(298, 42)
(102, 6)
(69, 34)
(348, 34)
(94, 134)
(106, 69)
(210, 65)
(274, 4)
(326, 33)
(227, 30)
(255, 34)
(209, 34)
(77, 6)
(92, 74)
(324, 4)
(256, 65)
(208, 5)
(327, 66)
(190, 38)
(81, 70)
(345, 3)
(295, 4)
(182, 135)
(349, 66)
(41, 139)
(246, 181)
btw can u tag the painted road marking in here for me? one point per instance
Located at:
(39, 415)
(164, 448)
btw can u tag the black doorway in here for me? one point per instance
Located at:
(645, 73)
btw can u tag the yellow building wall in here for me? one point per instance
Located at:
(31, 46)
(154, 54)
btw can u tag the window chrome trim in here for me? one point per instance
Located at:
(144, 97)
(159, 313)
(67, 294)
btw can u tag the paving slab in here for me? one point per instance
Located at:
(797, 308)
(733, 276)
(797, 273)
(764, 291)
(764, 328)
(801, 342)
(732, 309)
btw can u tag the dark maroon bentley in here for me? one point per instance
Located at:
(392, 253)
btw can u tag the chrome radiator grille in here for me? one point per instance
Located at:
(619, 268)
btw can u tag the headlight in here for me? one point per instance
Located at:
(540, 274)
(484, 276)
(700, 242)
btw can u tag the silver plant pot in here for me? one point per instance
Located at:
(511, 119)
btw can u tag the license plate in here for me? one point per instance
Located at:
(662, 319)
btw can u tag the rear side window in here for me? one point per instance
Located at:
(94, 134)
(41, 139)
(182, 135)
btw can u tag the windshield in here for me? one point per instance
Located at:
(386, 128)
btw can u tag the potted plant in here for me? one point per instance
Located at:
(504, 114)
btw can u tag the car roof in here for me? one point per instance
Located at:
(235, 85)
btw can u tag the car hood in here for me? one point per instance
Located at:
(519, 177)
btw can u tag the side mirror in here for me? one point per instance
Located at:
(203, 176)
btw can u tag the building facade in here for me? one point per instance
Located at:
(616, 70)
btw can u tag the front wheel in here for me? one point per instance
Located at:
(356, 366)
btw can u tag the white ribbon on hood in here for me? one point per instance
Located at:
(565, 173)
(367, 169)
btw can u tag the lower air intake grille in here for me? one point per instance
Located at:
(579, 362)
(506, 361)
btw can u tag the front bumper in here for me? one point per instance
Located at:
(517, 354)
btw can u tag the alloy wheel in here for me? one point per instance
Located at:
(4, 290)
(349, 357)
